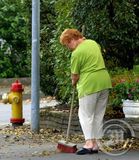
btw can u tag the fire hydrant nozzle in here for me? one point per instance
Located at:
(14, 97)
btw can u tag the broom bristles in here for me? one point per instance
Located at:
(65, 147)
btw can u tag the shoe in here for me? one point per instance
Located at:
(86, 151)
(95, 150)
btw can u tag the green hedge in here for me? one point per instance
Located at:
(62, 55)
(111, 23)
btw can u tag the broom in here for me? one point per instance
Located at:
(64, 145)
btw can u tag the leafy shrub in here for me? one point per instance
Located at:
(5, 63)
(111, 24)
(62, 55)
(47, 59)
(14, 29)
(124, 87)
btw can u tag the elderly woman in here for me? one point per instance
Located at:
(90, 76)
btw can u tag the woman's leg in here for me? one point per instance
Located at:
(91, 113)
(86, 111)
(98, 116)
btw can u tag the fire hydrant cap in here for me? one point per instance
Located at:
(17, 86)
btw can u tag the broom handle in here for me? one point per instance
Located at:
(70, 115)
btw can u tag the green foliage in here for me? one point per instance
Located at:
(112, 24)
(125, 90)
(14, 29)
(119, 71)
(62, 55)
(48, 18)
(96, 20)
(136, 69)
(125, 86)
(5, 64)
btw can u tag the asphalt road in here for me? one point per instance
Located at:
(5, 110)
(5, 113)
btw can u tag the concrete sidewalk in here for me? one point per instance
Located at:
(47, 152)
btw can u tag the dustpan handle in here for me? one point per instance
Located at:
(70, 115)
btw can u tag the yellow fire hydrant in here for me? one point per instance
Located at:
(14, 97)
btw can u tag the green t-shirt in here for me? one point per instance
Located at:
(87, 61)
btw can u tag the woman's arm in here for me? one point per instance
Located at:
(74, 78)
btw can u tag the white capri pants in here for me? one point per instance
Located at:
(91, 112)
